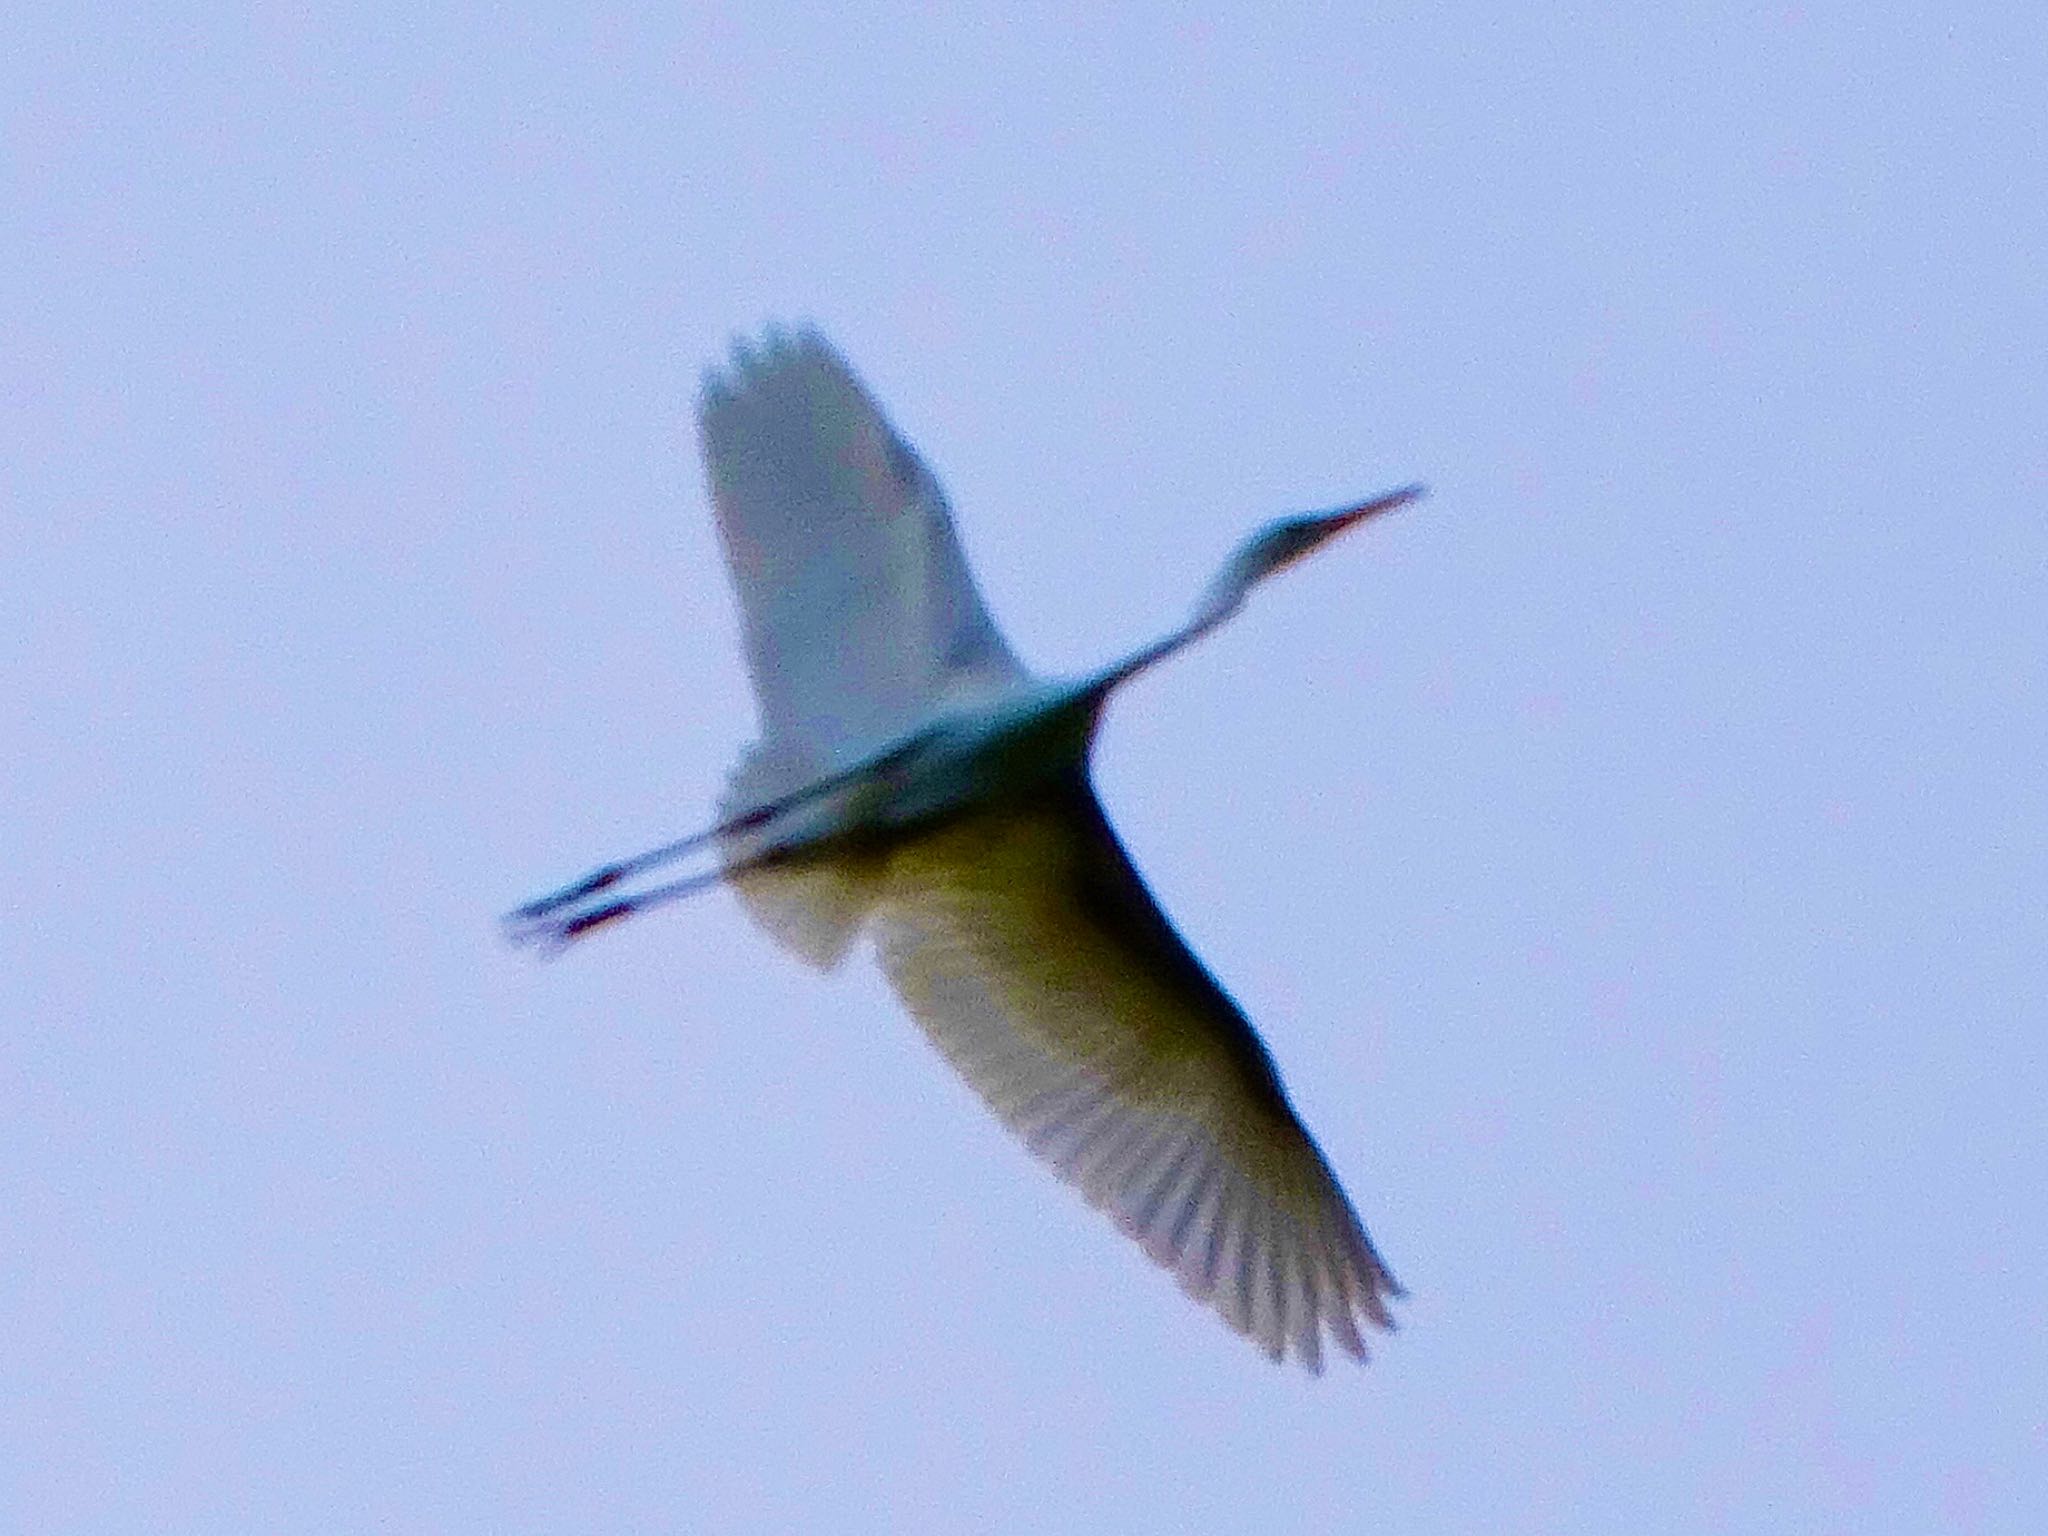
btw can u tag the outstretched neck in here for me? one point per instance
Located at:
(1219, 602)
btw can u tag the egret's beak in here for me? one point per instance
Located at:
(1335, 523)
(1304, 536)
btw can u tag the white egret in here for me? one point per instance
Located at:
(912, 780)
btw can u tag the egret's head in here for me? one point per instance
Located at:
(1288, 540)
(1283, 542)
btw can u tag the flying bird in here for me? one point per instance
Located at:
(913, 781)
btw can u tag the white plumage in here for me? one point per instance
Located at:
(913, 781)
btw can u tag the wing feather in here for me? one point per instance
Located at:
(858, 610)
(1027, 948)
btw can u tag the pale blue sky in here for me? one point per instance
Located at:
(1634, 856)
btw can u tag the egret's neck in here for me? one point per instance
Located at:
(1215, 608)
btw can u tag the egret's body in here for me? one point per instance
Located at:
(915, 782)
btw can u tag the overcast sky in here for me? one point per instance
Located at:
(1634, 855)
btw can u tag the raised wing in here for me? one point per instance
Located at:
(859, 615)
(859, 612)
(1028, 949)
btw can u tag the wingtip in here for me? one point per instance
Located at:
(752, 359)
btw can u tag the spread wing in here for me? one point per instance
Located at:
(1029, 950)
(857, 605)
(859, 615)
